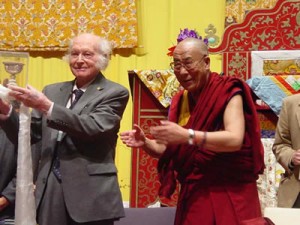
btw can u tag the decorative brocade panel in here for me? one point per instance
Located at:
(268, 182)
(237, 64)
(147, 111)
(235, 10)
(262, 29)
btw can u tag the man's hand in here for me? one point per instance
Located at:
(31, 97)
(296, 158)
(3, 203)
(133, 138)
(4, 109)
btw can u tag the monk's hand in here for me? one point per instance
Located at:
(169, 133)
(133, 138)
(31, 97)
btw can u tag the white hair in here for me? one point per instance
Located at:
(103, 48)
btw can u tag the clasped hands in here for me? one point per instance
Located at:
(169, 133)
(29, 96)
(165, 133)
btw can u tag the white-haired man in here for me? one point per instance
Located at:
(77, 177)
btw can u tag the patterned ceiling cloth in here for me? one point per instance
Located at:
(48, 25)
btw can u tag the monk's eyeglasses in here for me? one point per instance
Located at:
(189, 65)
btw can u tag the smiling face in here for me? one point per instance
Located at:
(84, 57)
(191, 64)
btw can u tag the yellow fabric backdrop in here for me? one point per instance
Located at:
(47, 25)
(159, 22)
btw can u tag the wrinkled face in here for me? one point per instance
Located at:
(190, 67)
(83, 58)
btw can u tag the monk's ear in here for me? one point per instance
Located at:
(207, 62)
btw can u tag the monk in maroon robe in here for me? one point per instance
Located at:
(211, 144)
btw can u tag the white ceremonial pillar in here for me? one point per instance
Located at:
(25, 211)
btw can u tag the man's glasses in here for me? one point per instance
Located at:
(83, 55)
(189, 65)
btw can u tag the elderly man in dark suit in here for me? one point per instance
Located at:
(77, 179)
(8, 166)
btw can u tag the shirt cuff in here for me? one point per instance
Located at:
(48, 113)
(291, 166)
(10, 110)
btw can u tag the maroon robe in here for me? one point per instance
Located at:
(216, 188)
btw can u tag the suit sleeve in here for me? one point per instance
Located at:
(11, 127)
(282, 146)
(10, 191)
(99, 117)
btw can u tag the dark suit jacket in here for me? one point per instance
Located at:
(8, 166)
(87, 150)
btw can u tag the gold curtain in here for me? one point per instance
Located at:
(235, 10)
(47, 25)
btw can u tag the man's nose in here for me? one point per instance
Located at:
(80, 57)
(183, 69)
